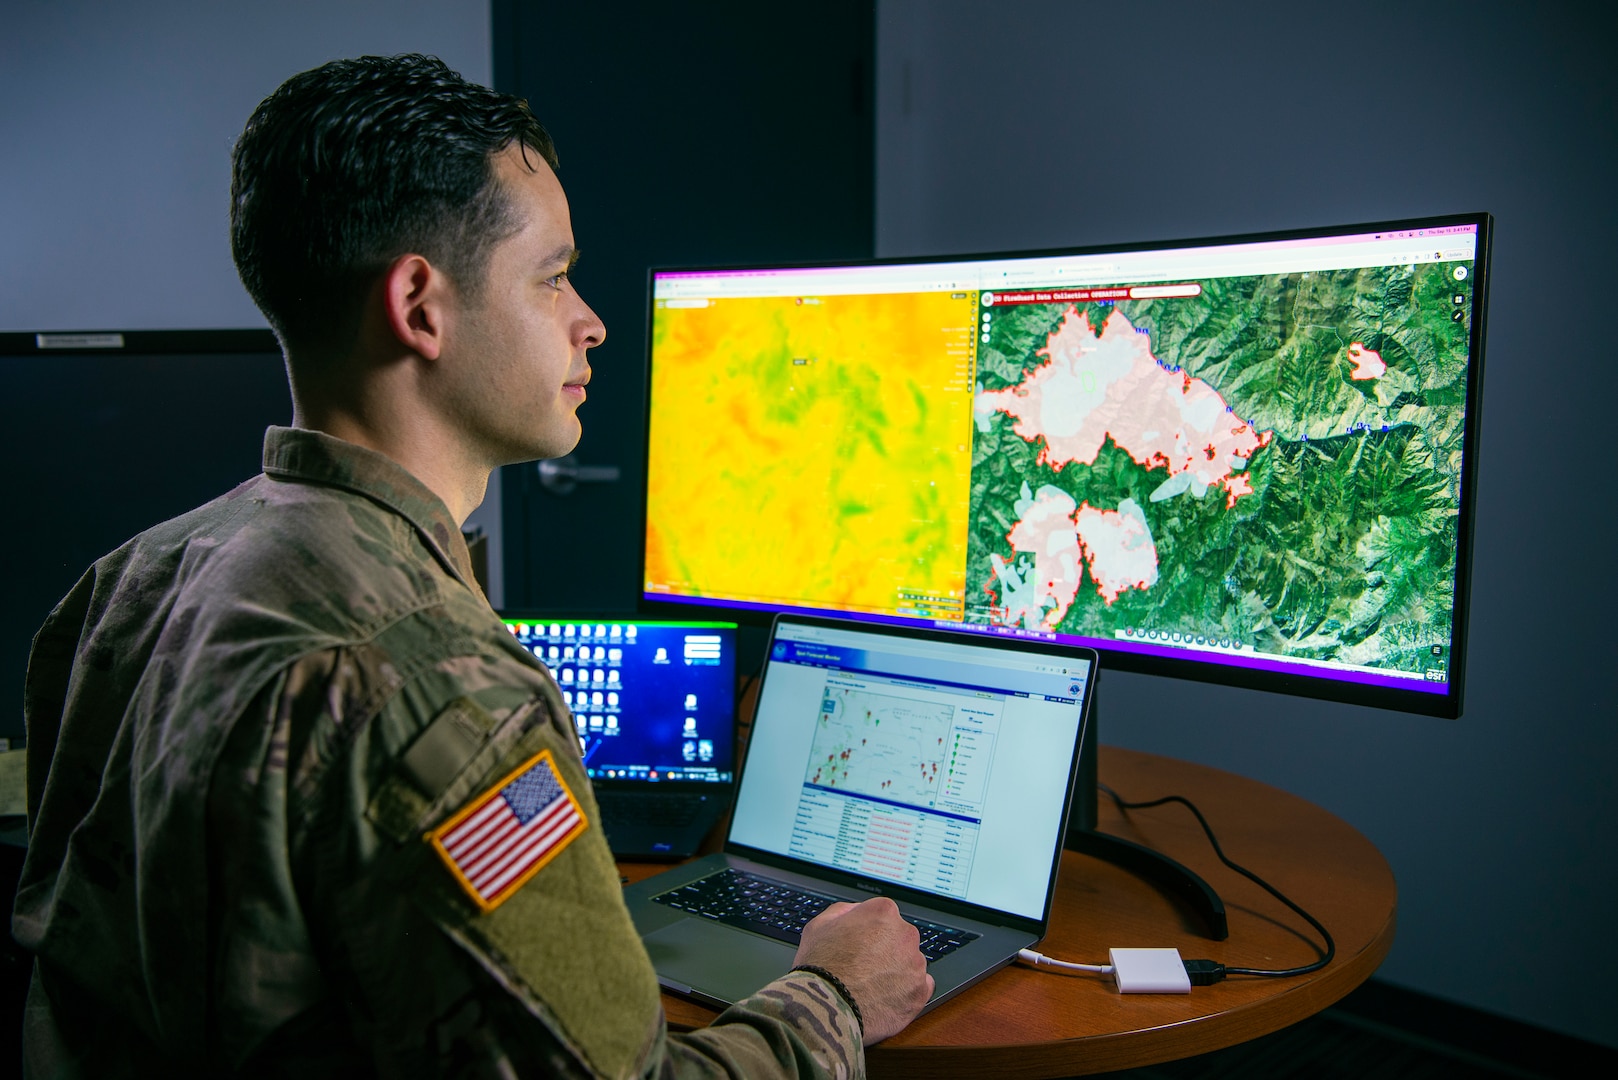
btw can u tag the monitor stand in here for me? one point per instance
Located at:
(1174, 879)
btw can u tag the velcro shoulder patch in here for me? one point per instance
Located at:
(449, 743)
(507, 834)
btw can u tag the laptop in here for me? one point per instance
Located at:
(934, 767)
(655, 707)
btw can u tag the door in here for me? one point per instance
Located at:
(689, 134)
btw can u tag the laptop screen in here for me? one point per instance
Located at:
(653, 701)
(935, 764)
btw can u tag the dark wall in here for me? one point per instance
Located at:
(1046, 123)
(690, 134)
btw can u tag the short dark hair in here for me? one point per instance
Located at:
(348, 166)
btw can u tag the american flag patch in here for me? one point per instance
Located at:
(504, 836)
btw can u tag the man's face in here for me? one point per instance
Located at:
(516, 367)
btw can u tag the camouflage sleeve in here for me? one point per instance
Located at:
(755, 1037)
(455, 952)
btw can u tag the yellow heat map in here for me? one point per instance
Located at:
(813, 450)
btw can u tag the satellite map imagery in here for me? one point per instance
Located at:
(1272, 463)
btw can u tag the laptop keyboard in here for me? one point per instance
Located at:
(659, 810)
(778, 910)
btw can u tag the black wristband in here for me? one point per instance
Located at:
(837, 984)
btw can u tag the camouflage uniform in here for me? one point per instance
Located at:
(241, 726)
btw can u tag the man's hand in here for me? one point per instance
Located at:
(878, 957)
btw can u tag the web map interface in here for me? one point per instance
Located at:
(1250, 453)
(651, 701)
(930, 765)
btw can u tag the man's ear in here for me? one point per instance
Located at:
(415, 296)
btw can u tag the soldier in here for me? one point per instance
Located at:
(251, 726)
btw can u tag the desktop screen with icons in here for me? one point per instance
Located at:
(652, 701)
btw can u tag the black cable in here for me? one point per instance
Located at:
(1203, 972)
(744, 731)
(746, 686)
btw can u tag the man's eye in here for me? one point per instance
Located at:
(556, 281)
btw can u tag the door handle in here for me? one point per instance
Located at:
(561, 475)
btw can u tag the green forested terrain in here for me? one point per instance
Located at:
(1345, 549)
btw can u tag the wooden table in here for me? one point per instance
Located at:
(1025, 1023)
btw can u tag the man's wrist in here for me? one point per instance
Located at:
(842, 991)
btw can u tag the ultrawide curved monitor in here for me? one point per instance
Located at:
(1246, 460)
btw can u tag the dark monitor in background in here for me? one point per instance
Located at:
(106, 434)
(1244, 460)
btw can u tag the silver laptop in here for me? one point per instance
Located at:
(929, 766)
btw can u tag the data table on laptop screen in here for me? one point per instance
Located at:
(1244, 454)
(934, 766)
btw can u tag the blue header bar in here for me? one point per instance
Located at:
(999, 672)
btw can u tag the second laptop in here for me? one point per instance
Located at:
(654, 703)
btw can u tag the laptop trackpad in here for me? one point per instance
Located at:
(715, 960)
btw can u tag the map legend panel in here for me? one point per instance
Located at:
(966, 771)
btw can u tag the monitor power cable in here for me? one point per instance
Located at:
(1200, 972)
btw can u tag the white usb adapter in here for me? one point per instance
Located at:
(1149, 971)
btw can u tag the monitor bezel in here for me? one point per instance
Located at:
(1446, 705)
